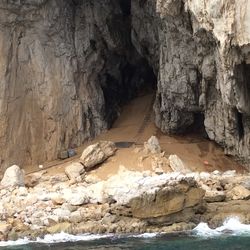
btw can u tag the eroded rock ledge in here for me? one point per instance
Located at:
(128, 202)
(67, 66)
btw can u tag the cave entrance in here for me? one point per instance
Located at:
(242, 78)
(128, 81)
(127, 74)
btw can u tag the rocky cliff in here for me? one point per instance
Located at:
(67, 66)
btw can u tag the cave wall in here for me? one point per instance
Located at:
(67, 66)
(200, 51)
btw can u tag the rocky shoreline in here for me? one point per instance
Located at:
(129, 202)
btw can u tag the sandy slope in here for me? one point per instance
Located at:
(135, 124)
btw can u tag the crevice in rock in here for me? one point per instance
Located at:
(242, 81)
(242, 76)
(126, 73)
(132, 80)
(125, 7)
(240, 125)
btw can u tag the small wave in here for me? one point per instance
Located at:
(145, 235)
(64, 237)
(204, 230)
(55, 238)
(23, 241)
(231, 226)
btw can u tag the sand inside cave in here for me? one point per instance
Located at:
(135, 124)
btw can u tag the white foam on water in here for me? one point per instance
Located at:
(145, 235)
(231, 226)
(204, 230)
(14, 243)
(55, 238)
(64, 237)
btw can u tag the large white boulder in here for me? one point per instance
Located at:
(13, 176)
(97, 153)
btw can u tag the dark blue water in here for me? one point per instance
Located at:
(158, 243)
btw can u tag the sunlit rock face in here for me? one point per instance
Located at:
(65, 69)
(42, 108)
(67, 66)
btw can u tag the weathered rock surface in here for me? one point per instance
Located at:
(74, 171)
(177, 164)
(97, 153)
(128, 202)
(65, 69)
(239, 193)
(218, 212)
(166, 201)
(67, 66)
(215, 196)
(200, 51)
(152, 145)
(13, 176)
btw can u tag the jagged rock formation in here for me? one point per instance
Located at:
(200, 50)
(67, 66)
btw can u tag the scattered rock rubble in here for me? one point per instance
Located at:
(129, 202)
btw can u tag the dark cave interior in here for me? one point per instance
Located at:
(242, 77)
(127, 73)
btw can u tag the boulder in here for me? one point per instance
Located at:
(157, 165)
(4, 227)
(71, 152)
(61, 213)
(75, 196)
(33, 179)
(57, 200)
(60, 227)
(92, 179)
(75, 217)
(13, 176)
(239, 193)
(63, 155)
(179, 227)
(166, 201)
(78, 200)
(218, 212)
(214, 196)
(74, 170)
(177, 164)
(97, 153)
(152, 145)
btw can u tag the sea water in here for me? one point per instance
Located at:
(231, 236)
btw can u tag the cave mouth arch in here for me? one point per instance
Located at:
(135, 79)
(127, 73)
(242, 80)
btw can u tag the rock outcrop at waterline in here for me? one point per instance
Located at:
(67, 66)
(127, 202)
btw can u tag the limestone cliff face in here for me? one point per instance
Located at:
(62, 75)
(66, 66)
(201, 51)
(42, 108)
